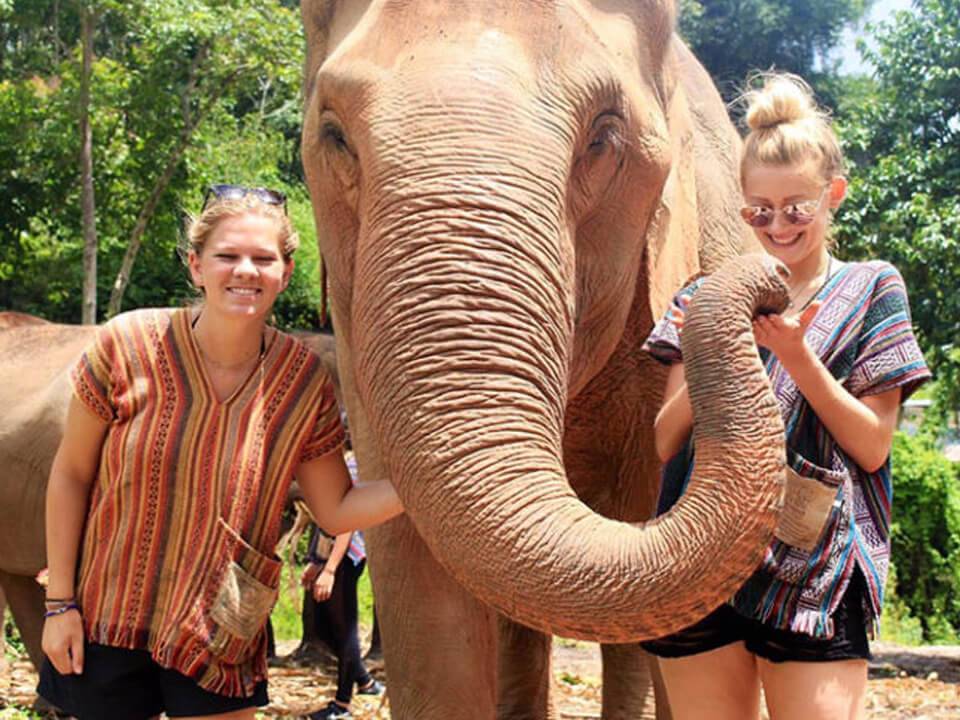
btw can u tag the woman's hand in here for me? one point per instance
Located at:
(310, 573)
(323, 586)
(783, 335)
(62, 641)
(677, 314)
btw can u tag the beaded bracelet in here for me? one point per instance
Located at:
(62, 610)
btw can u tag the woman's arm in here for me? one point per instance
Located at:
(68, 494)
(336, 506)
(863, 427)
(673, 423)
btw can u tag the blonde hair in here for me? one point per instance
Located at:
(787, 127)
(199, 228)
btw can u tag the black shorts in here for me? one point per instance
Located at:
(725, 626)
(121, 684)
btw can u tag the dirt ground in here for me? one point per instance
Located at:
(917, 683)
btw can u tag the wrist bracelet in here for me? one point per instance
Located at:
(57, 604)
(60, 600)
(62, 610)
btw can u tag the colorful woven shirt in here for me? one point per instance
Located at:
(178, 548)
(863, 336)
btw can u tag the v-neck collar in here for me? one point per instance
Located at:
(198, 370)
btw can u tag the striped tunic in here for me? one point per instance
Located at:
(863, 336)
(177, 555)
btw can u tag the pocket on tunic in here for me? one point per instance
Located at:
(814, 511)
(237, 596)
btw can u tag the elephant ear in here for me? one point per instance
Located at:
(672, 250)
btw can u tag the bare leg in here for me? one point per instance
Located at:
(721, 684)
(245, 714)
(815, 690)
(524, 677)
(659, 689)
(627, 685)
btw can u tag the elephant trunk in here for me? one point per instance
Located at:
(462, 344)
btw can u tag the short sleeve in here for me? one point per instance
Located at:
(328, 433)
(92, 377)
(888, 355)
(663, 344)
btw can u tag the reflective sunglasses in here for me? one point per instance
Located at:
(801, 213)
(238, 192)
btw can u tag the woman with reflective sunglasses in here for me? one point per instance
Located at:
(184, 432)
(841, 359)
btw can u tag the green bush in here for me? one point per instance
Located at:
(925, 536)
(897, 624)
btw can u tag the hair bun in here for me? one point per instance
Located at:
(783, 99)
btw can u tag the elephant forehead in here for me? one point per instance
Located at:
(538, 40)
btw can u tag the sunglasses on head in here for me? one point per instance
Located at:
(238, 192)
(801, 213)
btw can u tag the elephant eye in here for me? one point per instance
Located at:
(332, 133)
(600, 161)
(607, 133)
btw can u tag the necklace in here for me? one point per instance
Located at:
(257, 354)
(826, 279)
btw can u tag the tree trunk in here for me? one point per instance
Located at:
(87, 201)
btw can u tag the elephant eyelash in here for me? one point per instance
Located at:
(333, 133)
(607, 130)
(609, 134)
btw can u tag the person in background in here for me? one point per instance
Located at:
(334, 568)
(841, 358)
(184, 431)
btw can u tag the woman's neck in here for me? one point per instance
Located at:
(808, 270)
(228, 343)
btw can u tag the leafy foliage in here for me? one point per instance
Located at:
(734, 37)
(925, 535)
(208, 88)
(904, 143)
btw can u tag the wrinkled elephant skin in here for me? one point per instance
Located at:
(506, 195)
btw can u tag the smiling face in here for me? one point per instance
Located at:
(777, 187)
(241, 268)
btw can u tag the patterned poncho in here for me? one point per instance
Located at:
(863, 336)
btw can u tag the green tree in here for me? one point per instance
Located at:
(925, 535)
(183, 93)
(734, 37)
(903, 141)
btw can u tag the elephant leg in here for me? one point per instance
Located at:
(3, 635)
(524, 677)
(439, 642)
(25, 598)
(631, 681)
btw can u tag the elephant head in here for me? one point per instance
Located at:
(496, 186)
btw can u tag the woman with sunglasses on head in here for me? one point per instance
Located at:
(184, 432)
(841, 358)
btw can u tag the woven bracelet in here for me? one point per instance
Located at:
(60, 600)
(62, 610)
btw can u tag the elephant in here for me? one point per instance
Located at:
(35, 357)
(506, 196)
